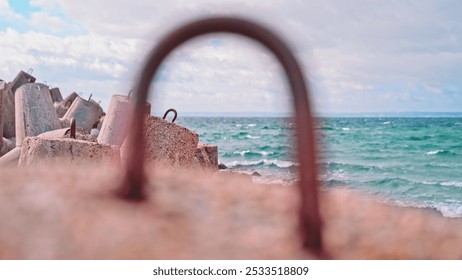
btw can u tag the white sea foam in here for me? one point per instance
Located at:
(252, 125)
(435, 152)
(451, 210)
(242, 153)
(452, 184)
(252, 137)
(386, 123)
(345, 129)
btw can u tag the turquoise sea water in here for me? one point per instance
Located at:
(408, 161)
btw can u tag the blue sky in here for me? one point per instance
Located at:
(358, 56)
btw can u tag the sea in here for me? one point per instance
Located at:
(406, 161)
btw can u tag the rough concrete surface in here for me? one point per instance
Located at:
(7, 146)
(80, 134)
(9, 127)
(64, 151)
(85, 113)
(166, 142)
(56, 95)
(114, 127)
(11, 158)
(35, 113)
(207, 156)
(63, 213)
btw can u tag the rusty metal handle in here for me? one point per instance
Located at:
(132, 188)
(73, 128)
(168, 111)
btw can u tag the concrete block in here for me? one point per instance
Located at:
(41, 151)
(9, 127)
(86, 113)
(1, 113)
(207, 156)
(117, 120)
(60, 109)
(56, 95)
(7, 146)
(166, 142)
(67, 102)
(100, 123)
(35, 113)
(80, 134)
(11, 158)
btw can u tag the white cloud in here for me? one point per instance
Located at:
(46, 21)
(6, 12)
(357, 54)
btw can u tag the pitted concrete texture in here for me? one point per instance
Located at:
(42, 151)
(7, 146)
(35, 113)
(80, 134)
(192, 216)
(207, 156)
(86, 113)
(9, 126)
(167, 142)
(56, 95)
(115, 124)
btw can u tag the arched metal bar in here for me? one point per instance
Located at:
(175, 114)
(132, 188)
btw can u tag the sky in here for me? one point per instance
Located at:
(357, 56)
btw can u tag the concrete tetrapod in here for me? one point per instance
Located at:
(117, 120)
(85, 112)
(56, 95)
(35, 113)
(9, 127)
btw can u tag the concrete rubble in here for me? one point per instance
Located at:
(35, 128)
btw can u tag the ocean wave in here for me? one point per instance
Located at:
(435, 152)
(345, 128)
(251, 153)
(356, 167)
(385, 123)
(263, 162)
(439, 152)
(252, 137)
(451, 184)
(448, 210)
(252, 125)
